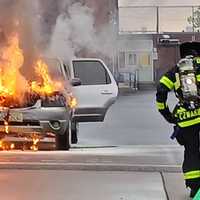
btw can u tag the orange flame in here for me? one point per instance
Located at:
(6, 145)
(12, 146)
(12, 84)
(6, 127)
(72, 101)
(48, 86)
(34, 147)
(11, 60)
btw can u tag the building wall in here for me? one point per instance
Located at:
(135, 55)
(168, 55)
(162, 57)
(103, 10)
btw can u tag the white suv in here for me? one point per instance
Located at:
(95, 91)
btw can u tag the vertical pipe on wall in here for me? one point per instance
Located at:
(157, 19)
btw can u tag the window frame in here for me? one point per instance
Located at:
(67, 70)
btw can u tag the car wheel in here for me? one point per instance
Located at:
(63, 141)
(74, 132)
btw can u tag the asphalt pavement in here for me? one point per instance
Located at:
(132, 120)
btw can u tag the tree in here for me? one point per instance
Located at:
(194, 20)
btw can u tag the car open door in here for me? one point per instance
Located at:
(97, 92)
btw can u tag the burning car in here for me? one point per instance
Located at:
(34, 108)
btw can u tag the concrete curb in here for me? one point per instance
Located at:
(90, 167)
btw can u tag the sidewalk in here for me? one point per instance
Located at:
(141, 172)
(161, 164)
(83, 185)
(175, 187)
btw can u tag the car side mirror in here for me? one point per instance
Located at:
(76, 81)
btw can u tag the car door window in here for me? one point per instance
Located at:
(91, 72)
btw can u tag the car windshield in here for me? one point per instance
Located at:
(54, 69)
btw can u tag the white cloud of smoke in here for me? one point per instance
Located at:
(63, 28)
(75, 34)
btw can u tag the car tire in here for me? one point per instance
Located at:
(63, 141)
(74, 132)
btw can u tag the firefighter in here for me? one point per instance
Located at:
(184, 79)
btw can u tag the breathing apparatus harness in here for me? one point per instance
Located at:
(187, 70)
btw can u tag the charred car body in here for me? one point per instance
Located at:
(38, 121)
(43, 104)
(40, 115)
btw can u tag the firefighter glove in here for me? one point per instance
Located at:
(169, 117)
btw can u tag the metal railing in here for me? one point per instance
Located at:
(128, 80)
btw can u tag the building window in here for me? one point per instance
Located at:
(122, 59)
(131, 58)
(145, 59)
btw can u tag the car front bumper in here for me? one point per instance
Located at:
(35, 120)
(41, 127)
